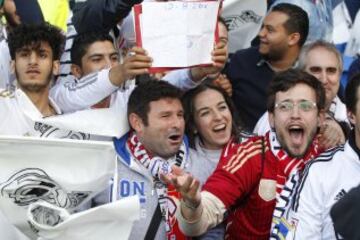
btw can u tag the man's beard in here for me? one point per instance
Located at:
(274, 55)
(309, 141)
(34, 87)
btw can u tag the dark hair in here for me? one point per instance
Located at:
(32, 35)
(149, 91)
(351, 90)
(298, 21)
(83, 41)
(283, 81)
(223, 22)
(189, 110)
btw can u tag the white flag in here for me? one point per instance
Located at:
(244, 19)
(65, 173)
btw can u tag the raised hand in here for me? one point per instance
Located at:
(219, 58)
(331, 134)
(135, 63)
(223, 82)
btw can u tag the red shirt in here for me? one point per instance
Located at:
(247, 191)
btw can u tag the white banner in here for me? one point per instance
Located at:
(244, 19)
(100, 223)
(65, 173)
(111, 122)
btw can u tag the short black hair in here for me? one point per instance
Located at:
(189, 110)
(32, 35)
(149, 91)
(223, 22)
(285, 80)
(298, 21)
(83, 41)
(351, 90)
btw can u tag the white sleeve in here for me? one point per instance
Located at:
(263, 125)
(212, 213)
(309, 206)
(181, 79)
(72, 95)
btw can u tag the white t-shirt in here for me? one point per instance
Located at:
(325, 181)
(19, 116)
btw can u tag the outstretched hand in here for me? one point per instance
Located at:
(185, 184)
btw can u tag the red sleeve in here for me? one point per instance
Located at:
(236, 174)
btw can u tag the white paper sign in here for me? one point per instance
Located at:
(179, 34)
(65, 173)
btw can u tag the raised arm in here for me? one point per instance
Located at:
(72, 94)
(101, 15)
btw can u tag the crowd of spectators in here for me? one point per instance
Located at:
(262, 143)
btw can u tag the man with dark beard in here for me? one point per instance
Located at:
(245, 186)
(284, 31)
(35, 51)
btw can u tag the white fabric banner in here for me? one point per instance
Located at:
(106, 222)
(8, 231)
(353, 45)
(105, 121)
(342, 24)
(65, 173)
(244, 19)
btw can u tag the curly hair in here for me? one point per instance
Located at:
(33, 35)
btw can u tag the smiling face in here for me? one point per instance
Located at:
(296, 128)
(34, 67)
(273, 36)
(163, 134)
(213, 119)
(324, 65)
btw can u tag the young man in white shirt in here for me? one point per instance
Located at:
(35, 51)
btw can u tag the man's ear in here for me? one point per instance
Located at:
(271, 120)
(136, 122)
(56, 67)
(76, 71)
(321, 117)
(351, 117)
(293, 39)
(12, 66)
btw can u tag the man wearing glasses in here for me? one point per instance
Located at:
(250, 176)
(328, 179)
